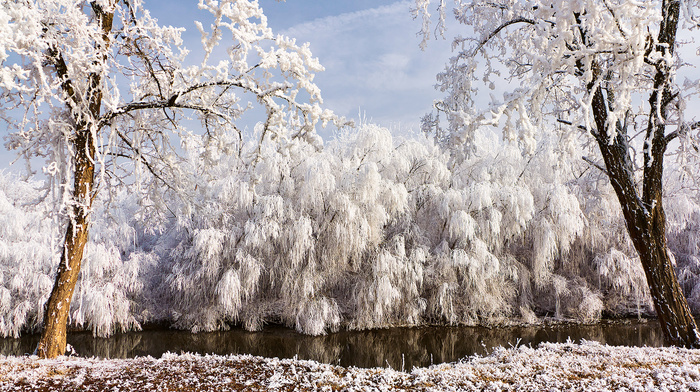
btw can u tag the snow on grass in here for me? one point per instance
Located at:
(589, 366)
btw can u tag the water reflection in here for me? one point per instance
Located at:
(396, 347)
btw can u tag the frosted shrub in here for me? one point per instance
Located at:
(285, 246)
(27, 238)
(112, 290)
(683, 214)
(366, 232)
(372, 232)
(590, 306)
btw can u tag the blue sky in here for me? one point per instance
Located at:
(368, 47)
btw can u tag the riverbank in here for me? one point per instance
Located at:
(551, 366)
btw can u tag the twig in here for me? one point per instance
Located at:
(597, 166)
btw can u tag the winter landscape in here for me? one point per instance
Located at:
(195, 179)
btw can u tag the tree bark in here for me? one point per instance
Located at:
(670, 304)
(646, 221)
(644, 216)
(53, 335)
(85, 110)
(646, 225)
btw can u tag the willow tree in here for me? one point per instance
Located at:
(603, 68)
(103, 93)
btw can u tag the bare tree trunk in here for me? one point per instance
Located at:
(53, 336)
(646, 224)
(671, 306)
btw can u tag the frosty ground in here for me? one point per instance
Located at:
(588, 366)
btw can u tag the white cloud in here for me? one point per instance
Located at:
(373, 63)
(343, 23)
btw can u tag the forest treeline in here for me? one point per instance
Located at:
(369, 231)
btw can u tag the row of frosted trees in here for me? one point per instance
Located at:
(199, 223)
(369, 231)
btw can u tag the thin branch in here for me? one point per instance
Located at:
(149, 65)
(682, 130)
(135, 149)
(581, 127)
(498, 29)
(597, 166)
(617, 20)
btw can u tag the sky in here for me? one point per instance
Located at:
(368, 47)
(374, 66)
(371, 54)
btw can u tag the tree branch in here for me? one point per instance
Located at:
(136, 150)
(597, 166)
(682, 129)
(581, 127)
(498, 29)
(169, 102)
(617, 20)
(59, 63)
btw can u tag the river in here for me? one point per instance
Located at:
(398, 348)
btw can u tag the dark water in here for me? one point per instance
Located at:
(399, 348)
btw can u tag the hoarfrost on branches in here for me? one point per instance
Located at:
(152, 98)
(423, 243)
(227, 226)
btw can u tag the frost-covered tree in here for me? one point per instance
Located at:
(371, 231)
(104, 93)
(605, 68)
